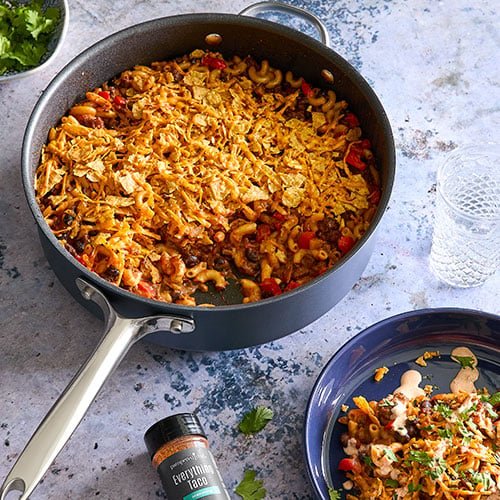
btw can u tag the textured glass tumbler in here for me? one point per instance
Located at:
(466, 242)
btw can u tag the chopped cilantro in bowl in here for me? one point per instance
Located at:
(30, 33)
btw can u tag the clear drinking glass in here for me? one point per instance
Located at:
(466, 242)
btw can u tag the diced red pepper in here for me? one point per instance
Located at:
(374, 195)
(307, 89)
(304, 240)
(119, 101)
(292, 285)
(349, 465)
(354, 159)
(213, 62)
(104, 94)
(366, 144)
(345, 243)
(279, 219)
(270, 287)
(389, 425)
(79, 259)
(263, 232)
(351, 120)
(146, 289)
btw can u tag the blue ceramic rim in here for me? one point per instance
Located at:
(354, 340)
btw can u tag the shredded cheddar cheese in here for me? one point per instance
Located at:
(380, 373)
(185, 172)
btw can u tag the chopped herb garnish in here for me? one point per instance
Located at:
(466, 413)
(368, 461)
(494, 399)
(420, 456)
(412, 488)
(491, 412)
(255, 420)
(466, 433)
(465, 361)
(445, 433)
(385, 403)
(438, 468)
(427, 428)
(390, 455)
(444, 410)
(333, 494)
(250, 488)
(392, 483)
(483, 478)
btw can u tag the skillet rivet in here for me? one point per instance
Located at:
(87, 293)
(176, 326)
(213, 39)
(327, 75)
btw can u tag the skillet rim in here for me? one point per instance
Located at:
(204, 18)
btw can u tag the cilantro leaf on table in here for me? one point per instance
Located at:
(255, 420)
(25, 32)
(250, 488)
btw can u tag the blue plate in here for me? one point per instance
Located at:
(394, 342)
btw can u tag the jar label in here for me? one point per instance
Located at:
(191, 474)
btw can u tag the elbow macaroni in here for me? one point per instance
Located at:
(188, 172)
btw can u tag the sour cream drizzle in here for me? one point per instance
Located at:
(465, 378)
(409, 387)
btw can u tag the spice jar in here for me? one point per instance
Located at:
(179, 452)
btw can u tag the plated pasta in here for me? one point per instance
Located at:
(416, 445)
(201, 170)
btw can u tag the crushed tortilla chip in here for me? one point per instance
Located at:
(380, 373)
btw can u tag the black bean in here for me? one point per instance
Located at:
(191, 260)
(329, 229)
(412, 429)
(68, 219)
(220, 263)
(252, 255)
(91, 121)
(93, 232)
(178, 76)
(425, 407)
(112, 273)
(384, 414)
(79, 245)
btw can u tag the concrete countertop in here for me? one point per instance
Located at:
(432, 65)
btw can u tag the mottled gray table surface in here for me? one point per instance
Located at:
(433, 65)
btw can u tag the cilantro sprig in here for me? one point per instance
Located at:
(465, 361)
(255, 420)
(333, 494)
(250, 488)
(25, 32)
(494, 399)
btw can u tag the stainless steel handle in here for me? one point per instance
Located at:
(271, 5)
(70, 408)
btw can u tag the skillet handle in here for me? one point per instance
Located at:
(70, 408)
(271, 5)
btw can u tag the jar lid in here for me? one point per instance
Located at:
(174, 426)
